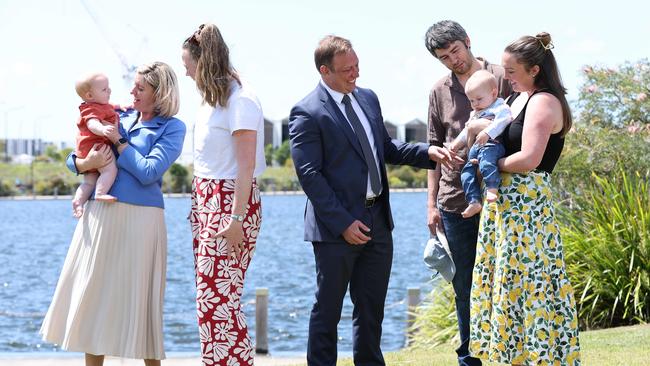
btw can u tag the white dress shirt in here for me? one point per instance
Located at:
(338, 98)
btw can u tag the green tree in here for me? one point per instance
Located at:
(53, 185)
(282, 153)
(179, 181)
(268, 154)
(65, 152)
(52, 152)
(618, 97)
(597, 150)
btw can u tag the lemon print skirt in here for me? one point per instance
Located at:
(522, 305)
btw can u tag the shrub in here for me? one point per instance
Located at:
(404, 173)
(395, 182)
(178, 178)
(53, 185)
(603, 151)
(282, 153)
(616, 96)
(268, 154)
(607, 246)
(435, 320)
(405, 176)
(279, 179)
(6, 189)
(53, 153)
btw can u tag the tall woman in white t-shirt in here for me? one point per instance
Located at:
(226, 213)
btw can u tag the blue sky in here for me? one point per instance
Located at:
(48, 44)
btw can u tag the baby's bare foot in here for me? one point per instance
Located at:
(77, 208)
(472, 209)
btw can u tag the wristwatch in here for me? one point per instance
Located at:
(121, 141)
(239, 218)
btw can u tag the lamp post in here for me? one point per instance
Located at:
(35, 148)
(6, 112)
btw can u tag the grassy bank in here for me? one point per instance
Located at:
(628, 346)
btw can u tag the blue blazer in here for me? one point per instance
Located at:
(153, 146)
(330, 165)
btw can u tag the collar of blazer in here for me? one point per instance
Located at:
(152, 123)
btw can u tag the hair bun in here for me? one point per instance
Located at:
(544, 38)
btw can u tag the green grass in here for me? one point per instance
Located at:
(628, 346)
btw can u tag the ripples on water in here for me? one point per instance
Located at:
(34, 238)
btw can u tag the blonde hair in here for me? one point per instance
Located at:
(481, 80)
(214, 73)
(84, 84)
(162, 79)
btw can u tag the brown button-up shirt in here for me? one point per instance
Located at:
(449, 109)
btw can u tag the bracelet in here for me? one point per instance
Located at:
(74, 162)
(239, 218)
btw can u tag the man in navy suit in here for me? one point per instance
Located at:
(339, 147)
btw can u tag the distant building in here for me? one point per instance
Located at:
(268, 132)
(276, 132)
(285, 130)
(19, 150)
(391, 128)
(32, 147)
(414, 131)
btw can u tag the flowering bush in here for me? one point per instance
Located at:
(616, 97)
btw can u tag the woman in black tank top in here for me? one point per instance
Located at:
(513, 133)
(522, 303)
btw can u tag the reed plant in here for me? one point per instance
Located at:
(435, 319)
(607, 248)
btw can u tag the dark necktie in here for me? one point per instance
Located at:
(375, 184)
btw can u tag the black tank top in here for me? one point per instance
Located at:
(512, 138)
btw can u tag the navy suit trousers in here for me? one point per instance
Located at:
(366, 269)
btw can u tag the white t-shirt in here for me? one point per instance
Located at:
(214, 155)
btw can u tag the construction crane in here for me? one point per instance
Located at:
(128, 68)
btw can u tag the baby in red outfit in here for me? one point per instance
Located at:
(97, 115)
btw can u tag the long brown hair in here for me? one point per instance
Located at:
(214, 71)
(530, 51)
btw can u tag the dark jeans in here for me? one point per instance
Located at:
(487, 156)
(462, 235)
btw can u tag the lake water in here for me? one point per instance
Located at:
(34, 239)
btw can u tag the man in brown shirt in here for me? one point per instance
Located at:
(449, 109)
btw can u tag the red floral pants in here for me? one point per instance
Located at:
(220, 279)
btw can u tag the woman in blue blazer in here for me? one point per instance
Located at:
(109, 298)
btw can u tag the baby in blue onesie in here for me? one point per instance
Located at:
(481, 89)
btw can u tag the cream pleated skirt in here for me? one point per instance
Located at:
(109, 298)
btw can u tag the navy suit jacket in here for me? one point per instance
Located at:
(330, 165)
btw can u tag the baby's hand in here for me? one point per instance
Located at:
(482, 138)
(108, 130)
(452, 146)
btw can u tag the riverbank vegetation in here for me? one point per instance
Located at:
(47, 175)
